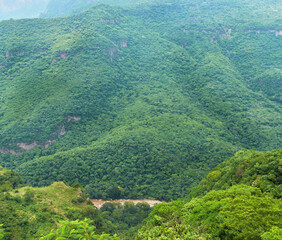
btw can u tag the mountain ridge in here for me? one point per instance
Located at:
(155, 93)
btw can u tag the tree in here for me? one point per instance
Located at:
(1, 231)
(240, 212)
(274, 234)
(77, 230)
(115, 192)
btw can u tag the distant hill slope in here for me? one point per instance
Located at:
(148, 99)
(18, 9)
(56, 8)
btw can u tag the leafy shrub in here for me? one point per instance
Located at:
(77, 230)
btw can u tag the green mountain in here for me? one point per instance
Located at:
(9, 180)
(253, 168)
(240, 202)
(56, 8)
(147, 98)
(237, 200)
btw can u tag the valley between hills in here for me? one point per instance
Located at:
(171, 101)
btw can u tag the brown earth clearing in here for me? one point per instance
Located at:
(99, 202)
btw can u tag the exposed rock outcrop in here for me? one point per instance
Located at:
(61, 131)
(73, 118)
(63, 55)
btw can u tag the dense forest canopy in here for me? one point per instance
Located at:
(31, 213)
(239, 199)
(173, 100)
(148, 98)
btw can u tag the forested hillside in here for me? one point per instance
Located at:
(241, 199)
(143, 99)
(31, 213)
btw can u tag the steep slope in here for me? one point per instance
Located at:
(27, 213)
(30, 213)
(257, 169)
(148, 99)
(240, 201)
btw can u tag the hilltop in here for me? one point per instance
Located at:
(30, 213)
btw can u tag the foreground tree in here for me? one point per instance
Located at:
(1, 231)
(77, 230)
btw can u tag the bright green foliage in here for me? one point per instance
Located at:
(253, 168)
(165, 223)
(140, 102)
(77, 230)
(1, 231)
(240, 212)
(28, 213)
(237, 212)
(149, 98)
(274, 234)
(9, 180)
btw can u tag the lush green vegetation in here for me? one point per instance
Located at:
(31, 213)
(9, 180)
(247, 205)
(77, 230)
(253, 168)
(1, 231)
(27, 213)
(135, 99)
(146, 98)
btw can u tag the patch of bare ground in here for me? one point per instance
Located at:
(61, 131)
(59, 184)
(99, 202)
(3, 151)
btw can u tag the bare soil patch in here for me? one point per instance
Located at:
(99, 202)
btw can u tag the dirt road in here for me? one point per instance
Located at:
(99, 203)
